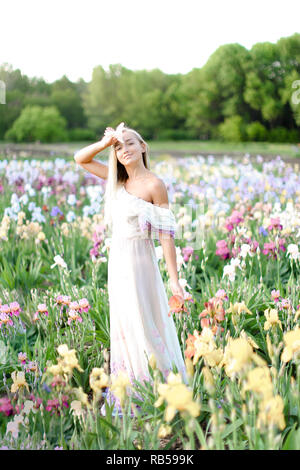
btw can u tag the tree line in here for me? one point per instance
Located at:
(238, 95)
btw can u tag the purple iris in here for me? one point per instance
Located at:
(263, 231)
(46, 387)
(55, 210)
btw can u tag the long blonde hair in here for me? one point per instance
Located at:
(117, 175)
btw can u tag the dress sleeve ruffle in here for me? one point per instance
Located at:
(155, 221)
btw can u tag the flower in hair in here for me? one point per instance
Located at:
(118, 132)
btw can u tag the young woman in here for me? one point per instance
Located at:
(136, 210)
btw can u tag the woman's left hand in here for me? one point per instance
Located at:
(176, 288)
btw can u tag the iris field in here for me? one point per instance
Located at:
(239, 263)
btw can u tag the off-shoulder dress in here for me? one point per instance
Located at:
(138, 303)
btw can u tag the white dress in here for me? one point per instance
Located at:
(139, 321)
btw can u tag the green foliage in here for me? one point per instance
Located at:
(292, 441)
(79, 134)
(66, 98)
(175, 134)
(256, 132)
(281, 134)
(232, 129)
(37, 123)
(255, 85)
(24, 275)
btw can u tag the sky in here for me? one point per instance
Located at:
(50, 39)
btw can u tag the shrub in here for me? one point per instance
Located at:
(256, 132)
(281, 134)
(175, 134)
(79, 134)
(38, 123)
(232, 129)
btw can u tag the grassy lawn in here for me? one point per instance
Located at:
(257, 148)
(268, 148)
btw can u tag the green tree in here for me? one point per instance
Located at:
(237, 94)
(148, 106)
(289, 53)
(66, 98)
(16, 85)
(264, 79)
(142, 99)
(215, 91)
(38, 93)
(256, 132)
(102, 102)
(38, 123)
(199, 104)
(232, 129)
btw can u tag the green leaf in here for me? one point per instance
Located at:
(292, 441)
(231, 427)
(169, 444)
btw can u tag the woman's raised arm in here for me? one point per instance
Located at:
(84, 157)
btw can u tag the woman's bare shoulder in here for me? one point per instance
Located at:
(155, 181)
(158, 191)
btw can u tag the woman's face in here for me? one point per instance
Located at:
(131, 150)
